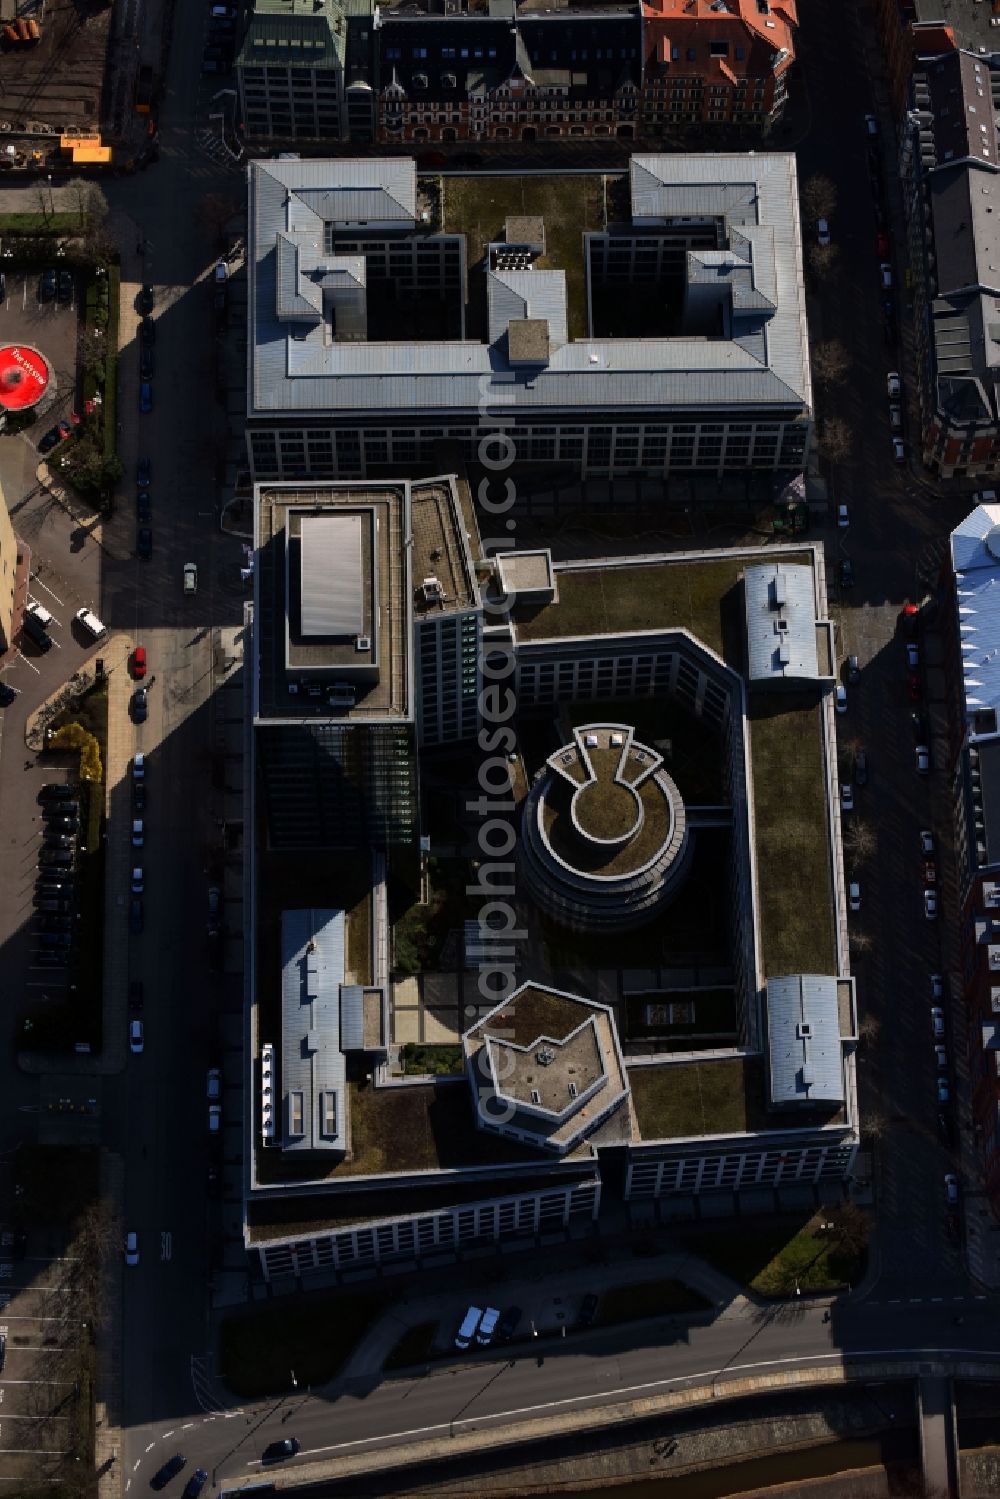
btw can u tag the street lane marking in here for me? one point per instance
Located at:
(605, 1396)
(151, 1446)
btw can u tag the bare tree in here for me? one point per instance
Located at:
(869, 1030)
(818, 197)
(860, 841)
(874, 1125)
(851, 1226)
(88, 201)
(93, 350)
(835, 440)
(830, 362)
(861, 942)
(823, 261)
(214, 212)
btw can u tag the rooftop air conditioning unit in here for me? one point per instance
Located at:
(432, 588)
(363, 643)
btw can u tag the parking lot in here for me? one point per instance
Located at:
(48, 325)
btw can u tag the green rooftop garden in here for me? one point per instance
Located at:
(477, 207)
(793, 848)
(699, 1098)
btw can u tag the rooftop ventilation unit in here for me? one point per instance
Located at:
(363, 643)
(431, 589)
(536, 1097)
(545, 1056)
(573, 1090)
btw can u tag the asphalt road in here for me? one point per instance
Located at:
(590, 1371)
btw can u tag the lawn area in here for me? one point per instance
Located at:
(648, 1298)
(417, 1128)
(478, 206)
(359, 949)
(39, 223)
(698, 1098)
(793, 849)
(770, 1256)
(310, 1335)
(441, 1061)
(419, 931)
(661, 596)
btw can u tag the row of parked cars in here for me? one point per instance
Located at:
(485, 1326)
(55, 887)
(137, 886)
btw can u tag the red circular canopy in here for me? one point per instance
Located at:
(24, 377)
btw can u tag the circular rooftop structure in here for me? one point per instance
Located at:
(605, 838)
(24, 377)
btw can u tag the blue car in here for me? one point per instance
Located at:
(145, 396)
(195, 1483)
(143, 505)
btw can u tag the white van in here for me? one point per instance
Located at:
(467, 1331)
(37, 612)
(488, 1326)
(89, 621)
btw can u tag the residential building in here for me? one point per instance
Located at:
(511, 73)
(8, 570)
(712, 255)
(715, 62)
(921, 29)
(952, 199)
(290, 70)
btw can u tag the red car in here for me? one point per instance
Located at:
(139, 662)
(913, 686)
(930, 872)
(882, 245)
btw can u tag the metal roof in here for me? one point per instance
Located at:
(313, 1073)
(803, 1038)
(764, 364)
(513, 295)
(975, 560)
(352, 1017)
(331, 558)
(780, 612)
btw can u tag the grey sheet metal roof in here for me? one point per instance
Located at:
(294, 33)
(352, 1017)
(765, 365)
(333, 577)
(511, 295)
(313, 1072)
(780, 613)
(803, 1039)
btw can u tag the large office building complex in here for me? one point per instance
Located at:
(374, 339)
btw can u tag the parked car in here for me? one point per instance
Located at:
(885, 272)
(930, 905)
(36, 633)
(822, 231)
(588, 1310)
(144, 542)
(941, 1058)
(142, 473)
(139, 662)
(930, 872)
(943, 1090)
(61, 856)
(861, 767)
(898, 450)
(138, 832)
(54, 791)
(195, 1483)
(871, 125)
(214, 1082)
(55, 839)
(893, 385)
(138, 796)
(136, 1038)
(147, 331)
(854, 896)
(509, 1323)
(144, 507)
(926, 843)
(840, 691)
(145, 397)
(170, 1469)
(843, 517)
(47, 286)
(137, 880)
(882, 245)
(140, 705)
(937, 1022)
(909, 619)
(937, 986)
(50, 439)
(63, 825)
(190, 577)
(145, 300)
(853, 670)
(846, 573)
(132, 1248)
(53, 810)
(896, 418)
(912, 655)
(214, 1118)
(146, 360)
(923, 755)
(64, 290)
(951, 1189)
(918, 725)
(847, 797)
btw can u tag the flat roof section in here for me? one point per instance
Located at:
(313, 1075)
(331, 571)
(300, 675)
(441, 549)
